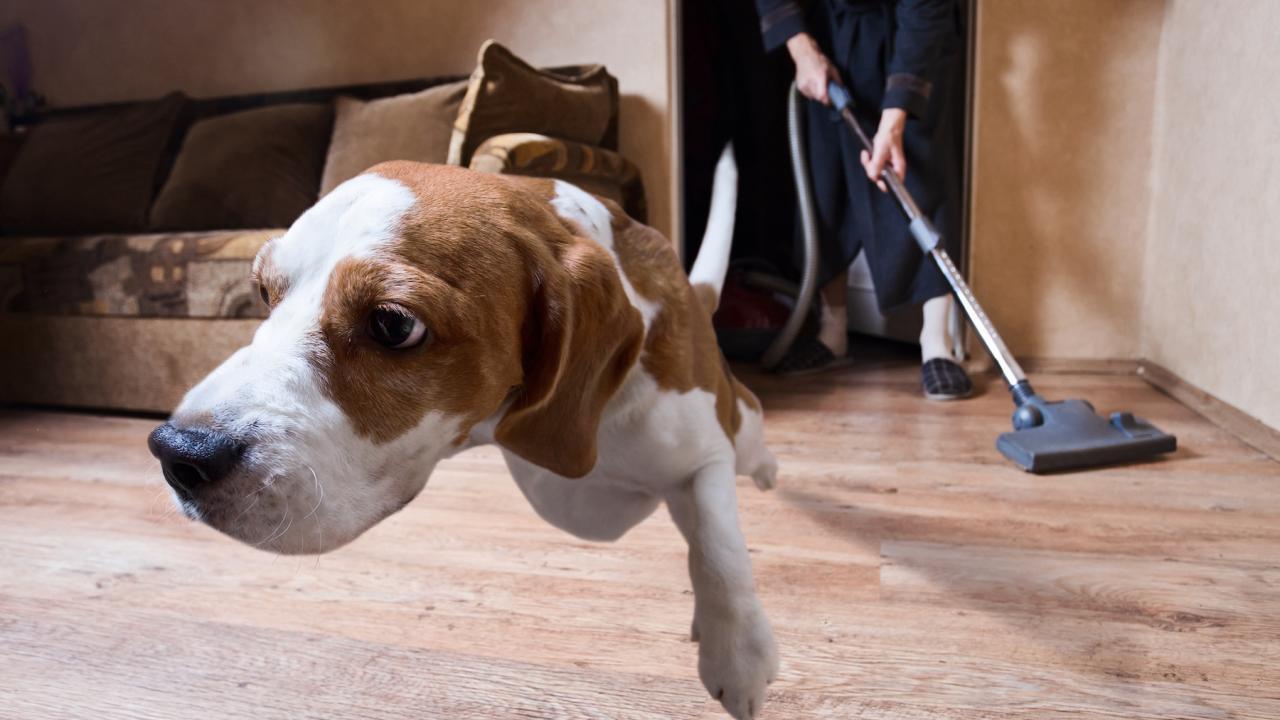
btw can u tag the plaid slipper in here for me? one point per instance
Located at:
(942, 379)
(808, 356)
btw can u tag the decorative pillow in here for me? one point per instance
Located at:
(506, 94)
(258, 168)
(416, 126)
(91, 173)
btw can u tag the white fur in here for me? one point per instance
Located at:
(713, 255)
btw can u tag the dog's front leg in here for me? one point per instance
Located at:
(737, 657)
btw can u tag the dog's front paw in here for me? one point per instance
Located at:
(737, 658)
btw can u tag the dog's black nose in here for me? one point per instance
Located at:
(193, 458)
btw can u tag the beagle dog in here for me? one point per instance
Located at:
(421, 310)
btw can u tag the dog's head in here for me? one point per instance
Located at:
(409, 306)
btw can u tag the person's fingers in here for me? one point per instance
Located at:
(833, 75)
(879, 156)
(802, 83)
(875, 161)
(898, 160)
(829, 72)
(811, 88)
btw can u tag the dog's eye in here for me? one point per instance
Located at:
(394, 327)
(266, 296)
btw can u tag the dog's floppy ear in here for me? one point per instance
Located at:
(581, 337)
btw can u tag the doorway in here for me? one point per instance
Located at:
(731, 89)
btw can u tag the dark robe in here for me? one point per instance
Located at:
(907, 54)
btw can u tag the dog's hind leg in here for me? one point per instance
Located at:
(737, 657)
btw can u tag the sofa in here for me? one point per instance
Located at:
(129, 230)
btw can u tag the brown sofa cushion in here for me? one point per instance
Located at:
(506, 94)
(253, 169)
(416, 126)
(91, 173)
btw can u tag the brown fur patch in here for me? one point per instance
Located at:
(387, 392)
(681, 350)
(518, 308)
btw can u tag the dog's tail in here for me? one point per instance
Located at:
(707, 275)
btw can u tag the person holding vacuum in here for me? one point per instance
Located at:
(903, 64)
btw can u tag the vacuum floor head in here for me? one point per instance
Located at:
(1069, 434)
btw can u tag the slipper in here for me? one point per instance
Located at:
(809, 356)
(942, 379)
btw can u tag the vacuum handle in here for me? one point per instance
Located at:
(930, 241)
(926, 235)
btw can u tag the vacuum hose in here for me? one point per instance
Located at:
(808, 231)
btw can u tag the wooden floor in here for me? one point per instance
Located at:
(909, 571)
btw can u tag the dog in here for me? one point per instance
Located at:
(420, 310)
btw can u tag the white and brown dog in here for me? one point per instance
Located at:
(420, 310)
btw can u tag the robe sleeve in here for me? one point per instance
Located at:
(923, 27)
(780, 20)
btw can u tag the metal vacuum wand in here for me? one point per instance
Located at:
(930, 241)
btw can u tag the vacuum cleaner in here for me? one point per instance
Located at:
(1046, 436)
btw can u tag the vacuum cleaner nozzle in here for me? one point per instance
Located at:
(1050, 436)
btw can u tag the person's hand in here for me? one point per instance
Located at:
(813, 69)
(886, 147)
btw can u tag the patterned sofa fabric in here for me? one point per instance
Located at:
(172, 275)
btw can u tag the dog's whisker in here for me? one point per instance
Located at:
(246, 509)
(167, 508)
(288, 523)
(319, 494)
(255, 496)
(272, 535)
(315, 513)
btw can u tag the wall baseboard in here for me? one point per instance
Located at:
(1225, 415)
(980, 362)
(1080, 366)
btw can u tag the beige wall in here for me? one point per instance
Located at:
(87, 51)
(1212, 300)
(1127, 186)
(1064, 91)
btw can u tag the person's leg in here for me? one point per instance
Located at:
(935, 333)
(837, 246)
(941, 377)
(829, 349)
(833, 330)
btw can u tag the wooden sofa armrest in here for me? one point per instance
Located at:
(594, 169)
